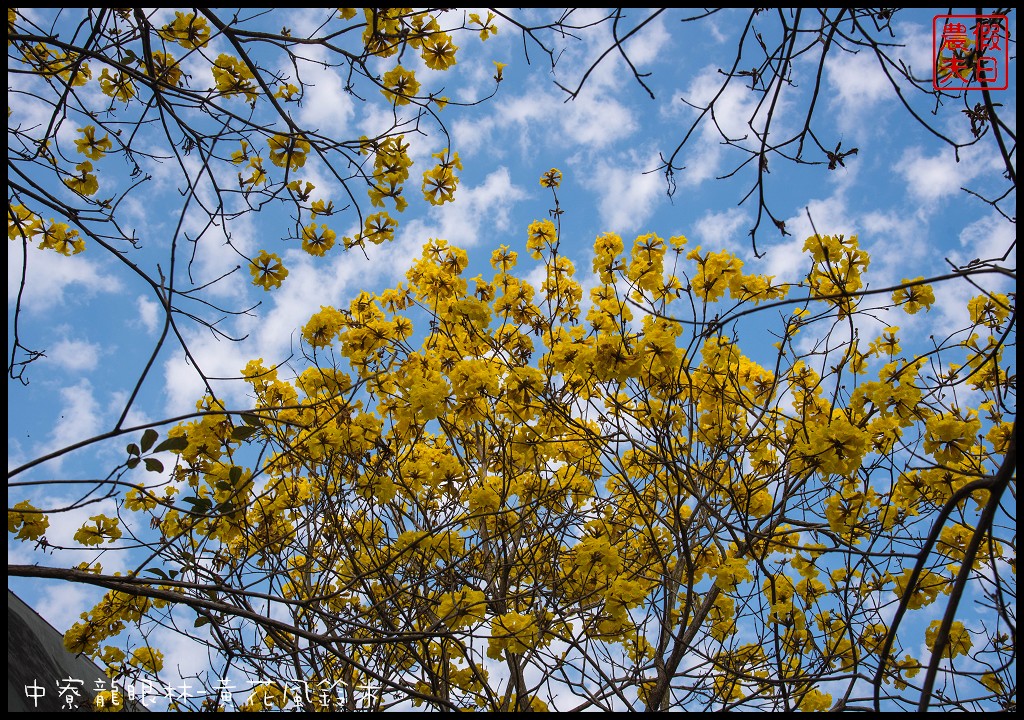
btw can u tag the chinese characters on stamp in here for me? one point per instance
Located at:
(971, 52)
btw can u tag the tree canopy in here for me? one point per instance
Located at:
(664, 479)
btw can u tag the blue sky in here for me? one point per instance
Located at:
(901, 194)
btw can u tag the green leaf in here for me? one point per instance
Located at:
(200, 506)
(132, 463)
(133, 449)
(154, 465)
(250, 419)
(172, 444)
(234, 475)
(158, 572)
(148, 438)
(200, 621)
(226, 508)
(243, 432)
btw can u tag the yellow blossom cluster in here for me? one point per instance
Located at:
(520, 470)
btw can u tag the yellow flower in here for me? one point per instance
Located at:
(67, 66)
(487, 28)
(716, 274)
(259, 175)
(187, 30)
(267, 271)
(760, 503)
(382, 28)
(989, 310)
(321, 208)
(288, 150)
(302, 193)
(89, 146)
(22, 222)
(86, 183)
(148, 659)
(63, 239)
(439, 185)
(27, 521)
(379, 228)
(928, 587)
(439, 52)
(287, 92)
(914, 298)
(323, 326)
(166, 68)
(400, 85)
(552, 178)
(393, 190)
(240, 156)
(104, 528)
(463, 608)
(233, 77)
(959, 639)
(317, 243)
(118, 86)
(730, 573)
(992, 682)
(428, 397)
(815, 700)
(516, 632)
(838, 266)
(504, 259)
(500, 66)
(948, 436)
(540, 235)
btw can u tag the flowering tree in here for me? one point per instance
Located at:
(591, 491)
(222, 117)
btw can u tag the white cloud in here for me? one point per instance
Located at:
(326, 107)
(212, 357)
(786, 259)
(63, 609)
(628, 197)
(477, 213)
(79, 416)
(16, 456)
(726, 230)
(74, 355)
(985, 239)
(149, 312)
(80, 413)
(597, 121)
(737, 114)
(932, 177)
(540, 118)
(857, 81)
(136, 417)
(989, 238)
(898, 243)
(51, 275)
(648, 44)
